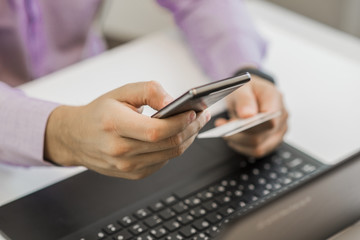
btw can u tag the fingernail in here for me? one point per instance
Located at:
(192, 116)
(208, 116)
(168, 99)
(247, 111)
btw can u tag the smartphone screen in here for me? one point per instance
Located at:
(202, 97)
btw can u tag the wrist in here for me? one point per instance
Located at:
(59, 140)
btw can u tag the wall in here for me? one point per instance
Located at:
(340, 14)
(128, 19)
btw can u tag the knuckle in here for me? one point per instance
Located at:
(179, 150)
(259, 152)
(153, 134)
(255, 141)
(141, 175)
(117, 150)
(107, 122)
(126, 167)
(176, 140)
(138, 176)
(152, 87)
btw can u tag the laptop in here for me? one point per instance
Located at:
(210, 192)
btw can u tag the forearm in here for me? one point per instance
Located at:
(22, 127)
(220, 33)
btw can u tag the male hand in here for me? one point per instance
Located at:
(257, 96)
(112, 137)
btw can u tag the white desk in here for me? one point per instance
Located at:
(317, 69)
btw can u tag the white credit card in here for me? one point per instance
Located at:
(237, 126)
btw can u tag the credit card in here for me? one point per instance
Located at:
(239, 125)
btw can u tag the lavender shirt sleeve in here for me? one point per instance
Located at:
(22, 127)
(220, 33)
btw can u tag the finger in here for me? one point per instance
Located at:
(268, 97)
(142, 93)
(248, 140)
(130, 147)
(261, 150)
(254, 137)
(142, 161)
(244, 102)
(149, 129)
(147, 171)
(154, 130)
(220, 121)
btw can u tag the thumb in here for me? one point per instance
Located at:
(142, 93)
(243, 102)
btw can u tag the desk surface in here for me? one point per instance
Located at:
(317, 70)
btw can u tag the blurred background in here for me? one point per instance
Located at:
(125, 20)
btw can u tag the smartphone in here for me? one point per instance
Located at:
(202, 97)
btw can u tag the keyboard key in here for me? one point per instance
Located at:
(174, 236)
(296, 175)
(205, 195)
(101, 235)
(142, 213)
(201, 224)
(294, 163)
(201, 236)
(225, 183)
(192, 201)
(185, 218)
(222, 199)
(214, 218)
(127, 221)
(112, 228)
(238, 193)
(244, 177)
(226, 211)
(157, 206)
(123, 235)
(158, 232)
(283, 170)
(277, 159)
(308, 168)
(152, 221)
(273, 175)
(197, 212)
(212, 232)
(170, 200)
(210, 206)
(286, 154)
(180, 207)
(217, 189)
(145, 237)
(172, 225)
(187, 231)
(255, 171)
(233, 183)
(137, 228)
(166, 214)
(267, 166)
(262, 181)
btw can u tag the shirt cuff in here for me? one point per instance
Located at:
(22, 128)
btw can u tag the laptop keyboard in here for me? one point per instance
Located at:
(198, 214)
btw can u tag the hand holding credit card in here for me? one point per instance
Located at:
(239, 125)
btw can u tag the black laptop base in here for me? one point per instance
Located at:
(207, 180)
(89, 205)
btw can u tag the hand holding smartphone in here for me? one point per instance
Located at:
(202, 97)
